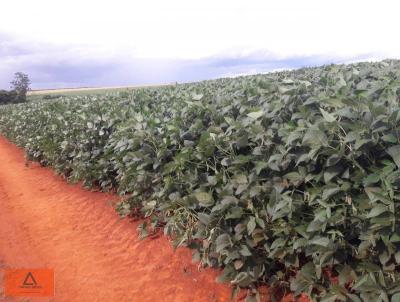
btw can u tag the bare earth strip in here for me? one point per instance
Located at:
(47, 223)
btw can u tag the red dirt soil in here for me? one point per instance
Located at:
(96, 256)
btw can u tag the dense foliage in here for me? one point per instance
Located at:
(289, 178)
(8, 97)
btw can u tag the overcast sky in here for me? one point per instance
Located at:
(70, 43)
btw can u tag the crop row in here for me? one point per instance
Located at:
(289, 179)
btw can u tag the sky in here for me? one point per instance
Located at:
(84, 43)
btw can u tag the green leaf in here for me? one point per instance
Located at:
(251, 225)
(242, 279)
(395, 298)
(333, 160)
(389, 138)
(244, 251)
(197, 97)
(371, 179)
(330, 173)
(204, 218)
(394, 152)
(327, 193)
(322, 241)
(360, 282)
(256, 114)
(315, 138)
(240, 179)
(301, 242)
(327, 116)
(204, 198)
(377, 210)
(234, 213)
(278, 243)
(222, 242)
(395, 237)
(294, 177)
(361, 142)
(314, 226)
(371, 192)
(260, 165)
(226, 162)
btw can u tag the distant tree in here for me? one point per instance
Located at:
(20, 85)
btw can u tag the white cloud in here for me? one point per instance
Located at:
(197, 29)
(94, 43)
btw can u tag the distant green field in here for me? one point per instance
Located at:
(52, 93)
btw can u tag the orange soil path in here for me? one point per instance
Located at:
(96, 256)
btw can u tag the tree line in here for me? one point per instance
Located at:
(19, 88)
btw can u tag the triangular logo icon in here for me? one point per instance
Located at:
(29, 280)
